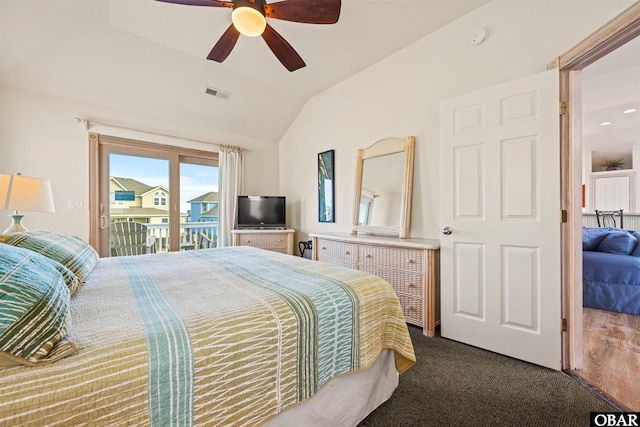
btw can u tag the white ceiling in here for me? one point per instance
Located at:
(148, 58)
(610, 86)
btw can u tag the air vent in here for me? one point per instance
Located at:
(218, 93)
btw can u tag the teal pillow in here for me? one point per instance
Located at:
(34, 308)
(70, 251)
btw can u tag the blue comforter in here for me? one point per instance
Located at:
(611, 282)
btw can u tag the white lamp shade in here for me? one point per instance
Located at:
(248, 21)
(22, 193)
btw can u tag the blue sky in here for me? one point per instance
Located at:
(195, 180)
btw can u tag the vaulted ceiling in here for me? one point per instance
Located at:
(148, 58)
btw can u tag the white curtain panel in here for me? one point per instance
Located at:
(231, 183)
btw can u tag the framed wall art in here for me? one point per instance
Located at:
(326, 187)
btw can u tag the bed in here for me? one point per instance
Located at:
(611, 269)
(228, 336)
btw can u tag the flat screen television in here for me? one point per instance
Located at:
(261, 212)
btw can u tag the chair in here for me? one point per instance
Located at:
(609, 218)
(130, 238)
(205, 242)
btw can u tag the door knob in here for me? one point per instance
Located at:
(447, 230)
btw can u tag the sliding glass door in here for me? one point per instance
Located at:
(149, 198)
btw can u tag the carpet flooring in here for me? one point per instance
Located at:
(453, 384)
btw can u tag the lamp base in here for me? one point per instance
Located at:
(16, 226)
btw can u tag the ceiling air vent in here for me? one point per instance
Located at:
(217, 92)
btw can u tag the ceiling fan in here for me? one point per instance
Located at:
(249, 18)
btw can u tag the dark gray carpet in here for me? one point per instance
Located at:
(453, 384)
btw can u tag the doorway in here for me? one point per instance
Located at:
(607, 39)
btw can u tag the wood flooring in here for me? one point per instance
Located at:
(612, 356)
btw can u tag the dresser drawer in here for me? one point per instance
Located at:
(403, 282)
(337, 253)
(412, 309)
(391, 258)
(265, 241)
(271, 240)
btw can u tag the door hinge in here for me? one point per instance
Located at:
(563, 325)
(563, 108)
(563, 216)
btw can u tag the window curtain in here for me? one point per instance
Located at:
(231, 183)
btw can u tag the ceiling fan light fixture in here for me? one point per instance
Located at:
(248, 21)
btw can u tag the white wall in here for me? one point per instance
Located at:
(400, 96)
(39, 137)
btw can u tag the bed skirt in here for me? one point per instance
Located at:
(352, 397)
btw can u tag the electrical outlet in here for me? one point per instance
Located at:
(75, 205)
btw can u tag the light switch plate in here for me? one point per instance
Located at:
(75, 205)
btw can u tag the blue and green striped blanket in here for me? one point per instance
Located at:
(227, 336)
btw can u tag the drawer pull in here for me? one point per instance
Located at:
(369, 256)
(410, 261)
(347, 253)
(324, 248)
(411, 285)
(248, 241)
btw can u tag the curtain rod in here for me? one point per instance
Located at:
(87, 124)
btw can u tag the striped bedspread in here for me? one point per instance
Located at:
(224, 337)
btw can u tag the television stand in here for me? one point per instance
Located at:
(272, 239)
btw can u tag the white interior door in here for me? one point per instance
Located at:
(500, 184)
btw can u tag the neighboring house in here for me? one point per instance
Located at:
(204, 208)
(132, 200)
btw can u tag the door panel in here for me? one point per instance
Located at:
(469, 184)
(469, 280)
(139, 192)
(521, 287)
(199, 201)
(501, 196)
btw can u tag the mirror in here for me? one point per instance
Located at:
(383, 188)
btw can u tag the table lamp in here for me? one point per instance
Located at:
(22, 193)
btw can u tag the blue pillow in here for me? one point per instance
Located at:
(591, 237)
(618, 242)
(636, 251)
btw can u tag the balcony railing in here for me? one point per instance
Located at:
(189, 232)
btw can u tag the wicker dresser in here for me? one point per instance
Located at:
(412, 266)
(272, 240)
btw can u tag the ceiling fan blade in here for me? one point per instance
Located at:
(282, 49)
(210, 3)
(305, 11)
(225, 45)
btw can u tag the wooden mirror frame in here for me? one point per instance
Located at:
(385, 147)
